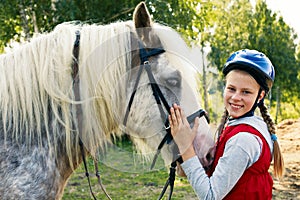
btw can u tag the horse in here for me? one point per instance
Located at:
(74, 85)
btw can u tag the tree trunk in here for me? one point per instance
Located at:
(24, 21)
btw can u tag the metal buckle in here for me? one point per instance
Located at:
(168, 127)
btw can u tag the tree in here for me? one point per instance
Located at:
(231, 29)
(275, 38)
(94, 11)
(20, 19)
(7, 22)
(225, 26)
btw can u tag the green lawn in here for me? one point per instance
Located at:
(126, 178)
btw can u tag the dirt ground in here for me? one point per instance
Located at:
(288, 133)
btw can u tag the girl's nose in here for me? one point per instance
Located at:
(236, 96)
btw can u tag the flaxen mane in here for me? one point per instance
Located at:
(38, 77)
(38, 81)
(39, 133)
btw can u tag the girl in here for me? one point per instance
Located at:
(246, 143)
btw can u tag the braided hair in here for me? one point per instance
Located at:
(222, 123)
(278, 158)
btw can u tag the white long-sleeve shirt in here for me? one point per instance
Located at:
(241, 151)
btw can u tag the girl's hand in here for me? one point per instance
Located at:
(182, 134)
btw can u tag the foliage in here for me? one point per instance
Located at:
(7, 22)
(225, 26)
(94, 11)
(275, 39)
(231, 29)
(22, 19)
(284, 110)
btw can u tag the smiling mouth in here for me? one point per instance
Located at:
(235, 106)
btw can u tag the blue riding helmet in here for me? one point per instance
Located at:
(255, 63)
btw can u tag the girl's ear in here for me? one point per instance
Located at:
(262, 95)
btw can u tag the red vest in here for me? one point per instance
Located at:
(256, 182)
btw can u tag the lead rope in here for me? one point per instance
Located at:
(169, 182)
(76, 81)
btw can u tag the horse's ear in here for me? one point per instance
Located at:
(141, 16)
(142, 22)
(143, 25)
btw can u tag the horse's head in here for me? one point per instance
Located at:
(162, 52)
(117, 62)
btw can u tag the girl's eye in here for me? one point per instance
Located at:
(246, 92)
(230, 89)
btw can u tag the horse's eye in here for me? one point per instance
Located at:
(173, 82)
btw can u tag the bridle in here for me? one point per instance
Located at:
(145, 64)
(161, 101)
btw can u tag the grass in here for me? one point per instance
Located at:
(126, 178)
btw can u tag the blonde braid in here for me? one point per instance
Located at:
(278, 158)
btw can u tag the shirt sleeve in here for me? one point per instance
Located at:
(241, 151)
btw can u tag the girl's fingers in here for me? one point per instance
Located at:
(183, 117)
(178, 114)
(173, 118)
(196, 124)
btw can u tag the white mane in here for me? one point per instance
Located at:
(36, 83)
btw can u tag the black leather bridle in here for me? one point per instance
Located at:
(160, 101)
(145, 64)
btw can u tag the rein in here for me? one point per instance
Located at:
(76, 90)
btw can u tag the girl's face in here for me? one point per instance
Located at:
(240, 93)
